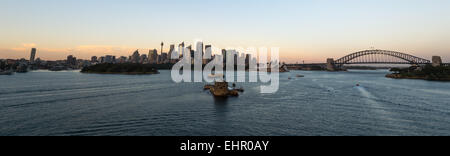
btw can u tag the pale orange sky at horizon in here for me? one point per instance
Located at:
(309, 55)
(304, 30)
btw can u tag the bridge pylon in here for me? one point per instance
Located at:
(436, 61)
(331, 66)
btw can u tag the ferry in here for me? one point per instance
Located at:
(221, 89)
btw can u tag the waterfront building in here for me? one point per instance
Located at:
(101, 59)
(109, 59)
(135, 57)
(84, 63)
(158, 59)
(71, 61)
(122, 59)
(94, 59)
(143, 59)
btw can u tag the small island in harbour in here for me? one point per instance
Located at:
(428, 72)
(124, 68)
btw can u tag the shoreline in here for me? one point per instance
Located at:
(122, 73)
(399, 76)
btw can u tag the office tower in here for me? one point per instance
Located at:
(164, 58)
(208, 54)
(236, 56)
(248, 57)
(200, 48)
(199, 52)
(172, 48)
(181, 49)
(182, 44)
(188, 50)
(32, 55)
(153, 56)
(109, 59)
(171, 51)
(189, 47)
(158, 59)
(224, 55)
(208, 47)
(143, 59)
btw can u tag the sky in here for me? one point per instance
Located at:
(304, 30)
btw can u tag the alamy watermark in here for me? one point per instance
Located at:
(200, 65)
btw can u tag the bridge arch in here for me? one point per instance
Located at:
(375, 57)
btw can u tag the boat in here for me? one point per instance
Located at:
(300, 75)
(240, 90)
(6, 72)
(58, 68)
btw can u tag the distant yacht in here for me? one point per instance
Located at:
(6, 72)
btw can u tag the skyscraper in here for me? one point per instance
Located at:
(200, 47)
(181, 49)
(153, 56)
(162, 46)
(32, 55)
(248, 57)
(224, 55)
(198, 54)
(171, 51)
(208, 54)
(143, 59)
(164, 58)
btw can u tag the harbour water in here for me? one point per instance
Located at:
(321, 103)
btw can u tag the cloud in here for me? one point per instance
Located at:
(24, 47)
(29, 45)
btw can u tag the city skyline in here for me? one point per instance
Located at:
(309, 31)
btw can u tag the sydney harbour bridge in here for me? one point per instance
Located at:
(375, 57)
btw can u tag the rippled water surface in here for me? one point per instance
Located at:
(322, 103)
